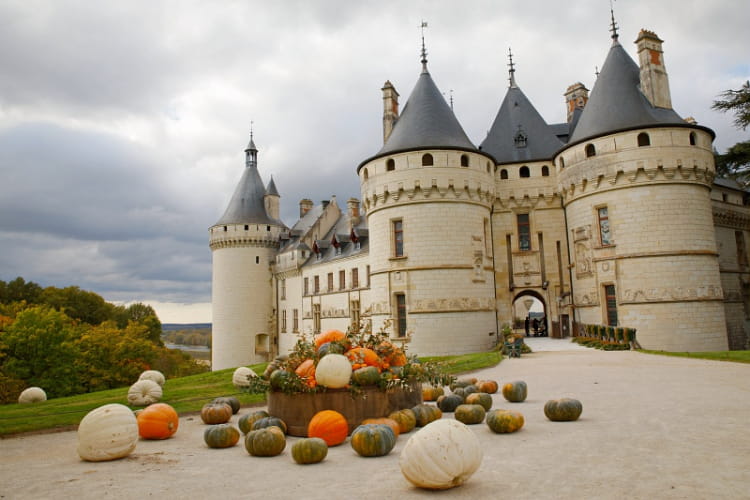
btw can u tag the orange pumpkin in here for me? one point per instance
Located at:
(363, 356)
(390, 354)
(395, 427)
(329, 336)
(488, 386)
(306, 371)
(330, 426)
(157, 421)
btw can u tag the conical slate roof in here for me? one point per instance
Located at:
(271, 188)
(616, 101)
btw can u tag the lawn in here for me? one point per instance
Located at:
(736, 356)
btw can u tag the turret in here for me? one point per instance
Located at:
(654, 80)
(272, 200)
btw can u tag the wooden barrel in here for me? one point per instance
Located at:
(296, 410)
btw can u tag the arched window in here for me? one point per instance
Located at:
(590, 150)
(562, 162)
(643, 139)
(464, 160)
(366, 175)
(427, 160)
(503, 174)
(524, 172)
(545, 171)
(692, 138)
(390, 165)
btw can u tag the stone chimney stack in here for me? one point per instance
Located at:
(576, 97)
(305, 205)
(390, 109)
(353, 210)
(654, 80)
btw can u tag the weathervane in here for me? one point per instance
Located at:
(613, 26)
(424, 50)
(251, 130)
(512, 69)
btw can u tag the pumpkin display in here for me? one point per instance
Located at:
(265, 422)
(107, 433)
(144, 392)
(309, 451)
(241, 377)
(363, 356)
(330, 348)
(504, 421)
(390, 354)
(246, 421)
(279, 378)
(430, 393)
(425, 414)
(232, 401)
(154, 375)
(405, 419)
(487, 386)
(373, 440)
(333, 371)
(563, 410)
(157, 421)
(515, 392)
(216, 413)
(330, 426)
(266, 442)
(469, 414)
(328, 336)
(449, 403)
(221, 436)
(480, 398)
(369, 375)
(441, 455)
(395, 427)
(32, 395)
(306, 371)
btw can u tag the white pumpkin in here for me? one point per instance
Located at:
(32, 395)
(144, 392)
(441, 455)
(241, 377)
(154, 375)
(333, 371)
(107, 433)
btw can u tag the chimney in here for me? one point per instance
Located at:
(654, 80)
(576, 97)
(390, 109)
(352, 205)
(304, 206)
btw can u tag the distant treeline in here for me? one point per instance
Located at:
(188, 336)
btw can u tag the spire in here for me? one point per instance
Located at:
(251, 152)
(613, 26)
(511, 70)
(424, 50)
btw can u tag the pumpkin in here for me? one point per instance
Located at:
(480, 398)
(32, 395)
(246, 421)
(329, 336)
(425, 414)
(373, 440)
(441, 455)
(515, 392)
(405, 419)
(363, 356)
(330, 348)
(395, 427)
(221, 436)
(448, 404)
(563, 410)
(390, 354)
(333, 371)
(470, 414)
(266, 442)
(241, 377)
(216, 413)
(487, 386)
(306, 371)
(330, 426)
(157, 421)
(460, 383)
(271, 421)
(470, 389)
(232, 401)
(279, 379)
(107, 433)
(430, 393)
(504, 421)
(369, 375)
(459, 391)
(154, 375)
(309, 451)
(144, 392)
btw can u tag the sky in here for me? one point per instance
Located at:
(123, 124)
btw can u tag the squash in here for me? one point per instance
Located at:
(363, 356)
(328, 336)
(309, 451)
(405, 419)
(515, 392)
(470, 389)
(441, 455)
(395, 427)
(373, 440)
(480, 398)
(232, 401)
(306, 371)
(32, 395)
(157, 421)
(241, 377)
(330, 348)
(430, 393)
(369, 375)
(487, 386)
(108, 432)
(448, 404)
(504, 421)
(216, 413)
(329, 425)
(469, 414)
(390, 354)
(144, 392)
(271, 421)
(221, 436)
(333, 371)
(563, 410)
(266, 442)
(460, 383)
(246, 421)
(425, 414)
(459, 391)
(154, 375)
(279, 379)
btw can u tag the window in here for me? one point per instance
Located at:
(307, 286)
(643, 139)
(355, 278)
(366, 175)
(316, 284)
(330, 282)
(247, 227)
(562, 162)
(524, 232)
(739, 239)
(464, 160)
(225, 229)
(268, 228)
(342, 279)
(368, 275)
(283, 320)
(489, 167)
(611, 301)
(401, 314)
(257, 259)
(524, 171)
(316, 318)
(590, 150)
(605, 235)
(390, 165)
(354, 314)
(398, 238)
(427, 160)
(295, 320)
(503, 174)
(283, 289)
(520, 139)
(545, 171)
(692, 138)
(487, 238)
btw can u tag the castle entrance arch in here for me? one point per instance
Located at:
(530, 314)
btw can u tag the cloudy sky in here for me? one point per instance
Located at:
(123, 124)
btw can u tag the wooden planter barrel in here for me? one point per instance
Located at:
(296, 410)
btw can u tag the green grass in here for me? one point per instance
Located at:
(466, 362)
(736, 356)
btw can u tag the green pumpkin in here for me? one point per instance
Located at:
(266, 442)
(504, 421)
(279, 378)
(469, 414)
(515, 392)
(232, 401)
(405, 419)
(460, 383)
(221, 436)
(309, 451)
(373, 440)
(369, 375)
(246, 421)
(459, 391)
(425, 414)
(449, 403)
(563, 410)
(470, 389)
(480, 398)
(264, 422)
(330, 348)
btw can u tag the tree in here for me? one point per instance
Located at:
(736, 161)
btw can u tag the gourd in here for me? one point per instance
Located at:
(241, 377)
(461, 383)
(329, 425)
(232, 401)
(32, 395)
(306, 371)
(470, 414)
(470, 389)
(247, 420)
(278, 379)
(405, 419)
(330, 348)
(107, 433)
(504, 421)
(363, 356)
(425, 414)
(441, 455)
(154, 375)
(373, 440)
(448, 404)
(430, 393)
(369, 375)
(157, 421)
(488, 386)
(480, 398)
(309, 451)
(216, 413)
(333, 371)
(563, 410)
(395, 427)
(221, 436)
(390, 354)
(144, 392)
(328, 336)
(515, 392)
(266, 442)
(271, 421)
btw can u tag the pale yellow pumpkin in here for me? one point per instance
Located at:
(241, 377)
(32, 395)
(107, 433)
(144, 392)
(333, 371)
(154, 375)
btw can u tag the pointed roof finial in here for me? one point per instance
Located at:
(251, 144)
(596, 71)
(613, 26)
(424, 50)
(451, 93)
(511, 70)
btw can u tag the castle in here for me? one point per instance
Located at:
(613, 217)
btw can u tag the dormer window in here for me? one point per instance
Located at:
(545, 171)
(524, 171)
(390, 165)
(643, 139)
(692, 138)
(503, 174)
(590, 150)
(520, 139)
(464, 160)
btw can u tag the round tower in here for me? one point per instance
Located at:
(243, 245)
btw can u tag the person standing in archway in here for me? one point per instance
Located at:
(536, 327)
(526, 325)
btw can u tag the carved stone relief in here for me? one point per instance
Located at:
(663, 294)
